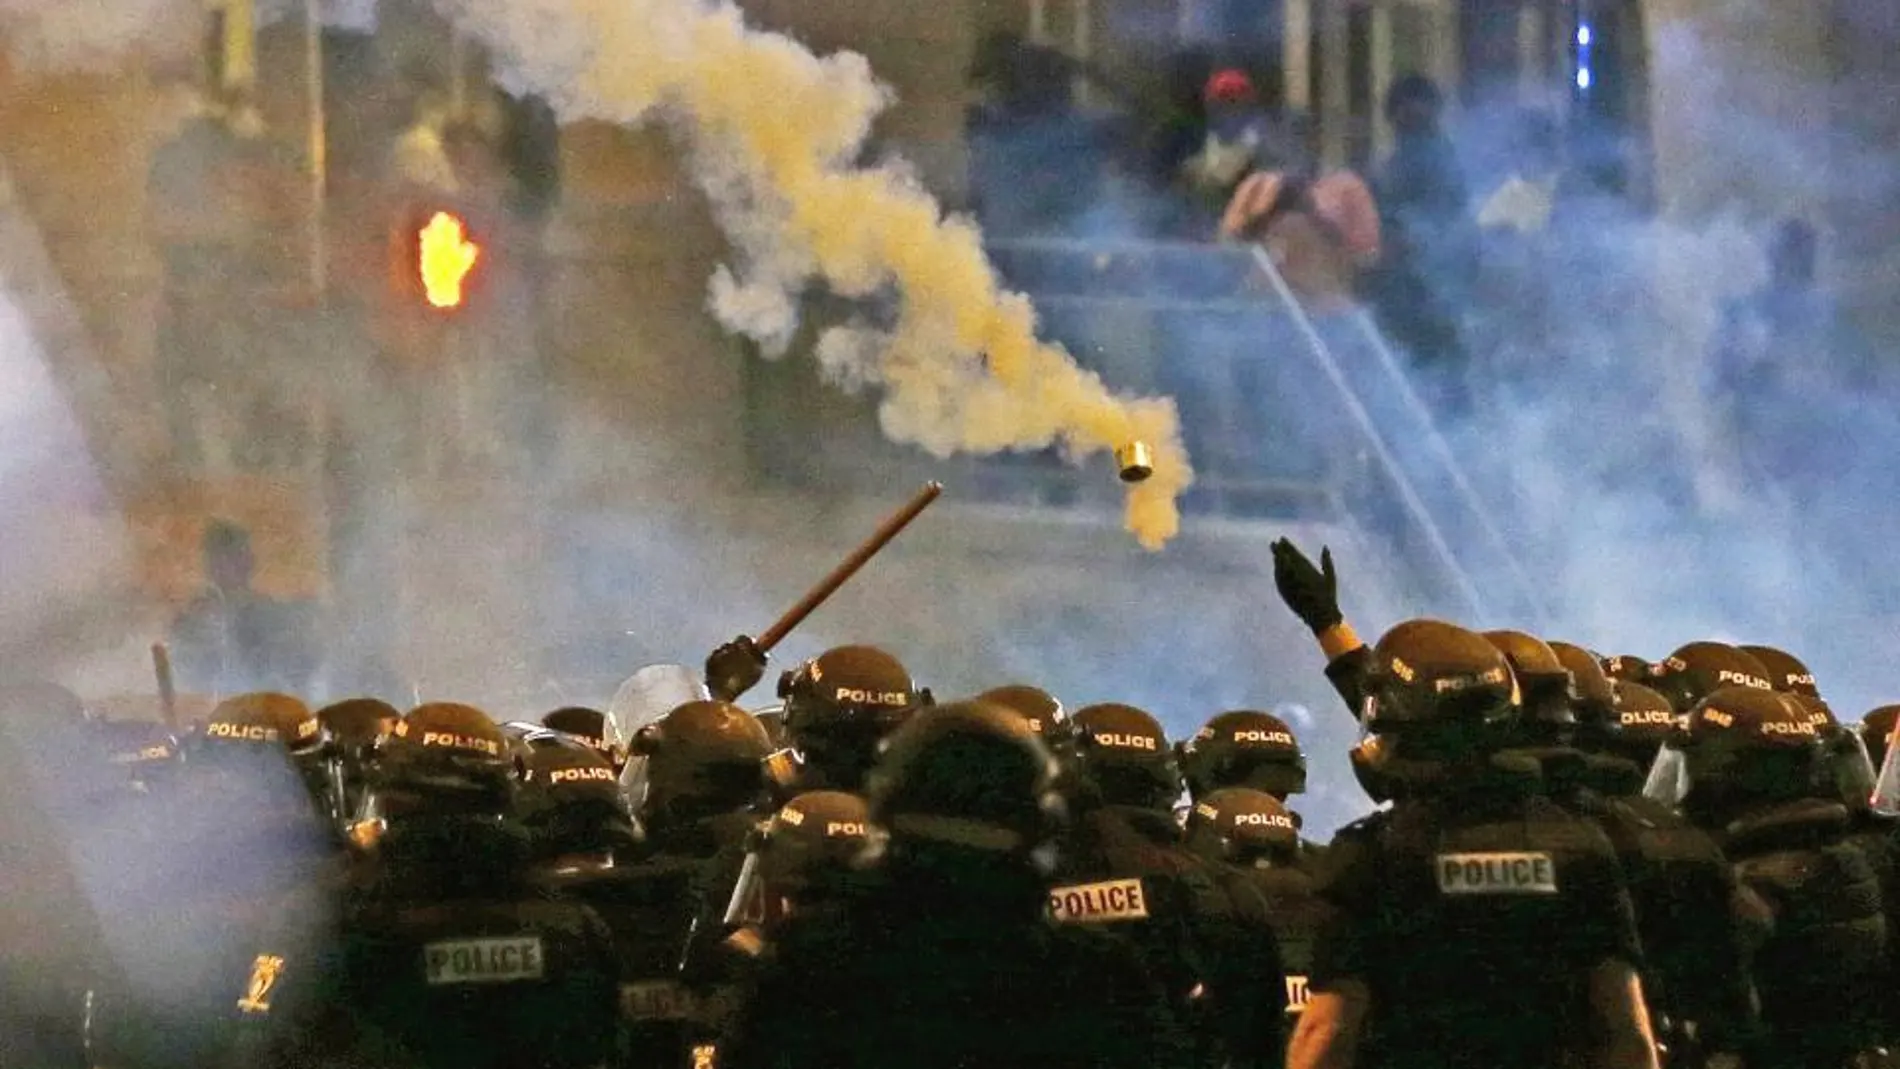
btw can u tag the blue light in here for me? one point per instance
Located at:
(1583, 77)
(1583, 35)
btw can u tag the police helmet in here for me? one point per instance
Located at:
(1876, 731)
(357, 721)
(1645, 721)
(265, 718)
(1742, 745)
(1699, 669)
(447, 758)
(1124, 756)
(702, 759)
(1785, 671)
(353, 727)
(811, 841)
(1244, 748)
(1628, 668)
(1041, 708)
(570, 802)
(1596, 701)
(840, 703)
(593, 728)
(967, 777)
(1428, 673)
(1242, 826)
(1548, 691)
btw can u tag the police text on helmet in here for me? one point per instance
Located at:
(1126, 742)
(850, 696)
(581, 775)
(244, 732)
(461, 742)
(1277, 738)
(1265, 820)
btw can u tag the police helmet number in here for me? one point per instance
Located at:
(1296, 993)
(1530, 873)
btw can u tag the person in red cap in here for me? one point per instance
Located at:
(1237, 130)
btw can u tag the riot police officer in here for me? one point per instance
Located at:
(1694, 972)
(699, 776)
(1257, 835)
(838, 706)
(943, 955)
(1744, 770)
(1474, 922)
(452, 956)
(1645, 720)
(1244, 748)
(241, 864)
(1205, 935)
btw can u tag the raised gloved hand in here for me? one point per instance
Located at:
(734, 668)
(1312, 593)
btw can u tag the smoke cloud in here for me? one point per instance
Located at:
(88, 36)
(775, 135)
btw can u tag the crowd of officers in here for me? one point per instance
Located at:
(1577, 860)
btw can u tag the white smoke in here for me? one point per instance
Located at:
(775, 135)
(66, 36)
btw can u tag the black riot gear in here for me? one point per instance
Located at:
(1743, 747)
(967, 777)
(443, 751)
(1437, 697)
(1242, 826)
(808, 849)
(262, 717)
(592, 727)
(1124, 756)
(1786, 673)
(838, 706)
(1427, 674)
(1546, 687)
(943, 953)
(570, 803)
(1699, 669)
(1746, 770)
(701, 759)
(1041, 708)
(1244, 748)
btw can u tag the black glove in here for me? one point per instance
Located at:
(734, 668)
(1312, 593)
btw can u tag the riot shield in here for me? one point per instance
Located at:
(646, 697)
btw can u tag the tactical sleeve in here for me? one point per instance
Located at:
(1347, 882)
(1347, 672)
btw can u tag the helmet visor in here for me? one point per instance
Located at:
(1886, 796)
(1669, 778)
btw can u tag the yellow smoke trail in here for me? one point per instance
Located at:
(774, 133)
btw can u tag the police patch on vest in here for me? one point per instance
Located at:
(1529, 873)
(1099, 903)
(654, 1000)
(483, 961)
(1296, 993)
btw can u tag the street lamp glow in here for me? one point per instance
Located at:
(1583, 35)
(1583, 77)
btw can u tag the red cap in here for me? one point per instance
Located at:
(1230, 86)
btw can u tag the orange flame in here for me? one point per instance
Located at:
(447, 258)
